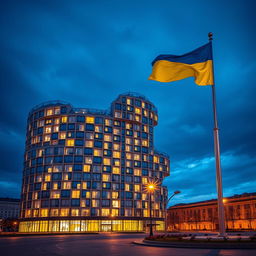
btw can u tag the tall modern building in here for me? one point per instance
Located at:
(85, 170)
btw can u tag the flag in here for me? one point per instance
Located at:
(197, 64)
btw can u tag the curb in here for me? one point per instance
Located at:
(197, 246)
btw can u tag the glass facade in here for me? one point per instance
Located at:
(85, 170)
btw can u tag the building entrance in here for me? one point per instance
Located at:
(106, 228)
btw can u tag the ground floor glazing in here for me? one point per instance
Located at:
(88, 226)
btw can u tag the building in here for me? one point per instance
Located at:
(9, 208)
(85, 169)
(240, 214)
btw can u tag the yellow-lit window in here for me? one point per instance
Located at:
(54, 212)
(95, 194)
(137, 188)
(116, 131)
(48, 121)
(106, 145)
(137, 142)
(105, 212)
(145, 112)
(89, 144)
(144, 196)
(66, 185)
(85, 212)
(84, 185)
(64, 212)
(35, 213)
(87, 168)
(128, 148)
(40, 123)
(88, 160)
(116, 170)
(55, 185)
(95, 203)
(115, 203)
(137, 172)
(70, 142)
(128, 101)
(56, 120)
(108, 122)
(106, 161)
(68, 168)
(116, 146)
(81, 127)
(128, 156)
(47, 177)
(136, 157)
(127, 187)
(145, 213)
(97, 152)
(47, 138)
(87, 194)
(64, 119)
(55, 128)
(90, 119)
(137, 110)
(44, 212)
(107, 137)
(128, 126)
(74, 212)
(145, 128)
(44, 186)
(115, 194)
(144, 143)
(114, 212)
(116, 162)
(128, 163)
(48, 129)
(137, 118)
(75, 193)
(28, 213)
(35, 195)
(128, 141)
(145, 157)
(49, 112)
(105, 177)
(55, 194)
(143, 104)
(37, 204)
(116, 154)
(62, 135)
(156, 118)
(156, 159)
(144, 180)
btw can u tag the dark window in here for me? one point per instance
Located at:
(65, 193)
(80, 119)
(79, 134)
(88, 151)
(75, 202)
(71, 126)
(89, 127)
(98, 144)
(98, 120)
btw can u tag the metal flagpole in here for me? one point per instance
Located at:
(221, 213)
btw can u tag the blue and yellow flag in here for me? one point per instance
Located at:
(198, 64)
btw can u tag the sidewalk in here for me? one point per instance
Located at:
(199, 244)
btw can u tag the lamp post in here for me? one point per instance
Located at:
(150, 187)
(174, 193)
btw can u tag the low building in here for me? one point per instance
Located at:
(240, 214)
(9, 208)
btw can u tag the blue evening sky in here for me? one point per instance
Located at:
(88, 52)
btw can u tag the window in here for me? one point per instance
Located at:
(64, 119)
(64, 212)
(70, 142)
(90, 120)
(105, 177)
(107, 137)
(89, 144)
(115, 195)
(116, 170)
(106, 161)
(116, 154)
(115, 203)
(97, 152)
(75, 193)
(87, 168)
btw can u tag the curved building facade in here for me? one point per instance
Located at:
(85, 170)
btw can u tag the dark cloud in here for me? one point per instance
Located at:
(87, 53)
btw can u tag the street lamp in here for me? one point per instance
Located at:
(150, 188)
(166, 211)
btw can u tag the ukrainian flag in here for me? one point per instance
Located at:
(198, 64)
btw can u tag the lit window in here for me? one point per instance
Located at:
(116, 131)
(116, 162)
(136, 157)
(84, 185)
(137, 111)
(47, 138)
(105, 177)
(115, 195)
(48, 129)
(128, 101)
(145, 213)
(66, 185)
(128, 148)
(90, 120)
(64, 212)
(137, 172)
(105, 212)
(97, 152)
(89, 144)
(62, 135)
(114, 212)
(54, 212)
(128, 163)
(44, 212)
(55, 194)
(64, 119)
(74, 212)
(144, 143)
(156, 159)
(81, 127)
(70, 142)
(116, 146)
(49, 112)
(128, 126)
(116, 154)
(107, 137)
(118, 114)
(95, 203)
(68, 168)
(144, 180)
(56, 120)
(87, 168)
(75, 193)
(137, 142)
(48, 121)
(88, 160)
(143, 104)
(137, 188)
(57, 111)
(106, 161)
(98, 128)
(128, 156)
(56, 128)
(128, 141)
(127, 187)
(116, 203)
(116, 170)
(108, 122)
(137, 118)
(144, 196)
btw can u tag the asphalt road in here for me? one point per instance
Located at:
(99, 245)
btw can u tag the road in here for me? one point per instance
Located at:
(108, 244)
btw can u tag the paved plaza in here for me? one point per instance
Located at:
(108, 244)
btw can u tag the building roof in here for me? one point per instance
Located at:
(7, 199)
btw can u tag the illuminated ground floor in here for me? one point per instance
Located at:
(89, 225)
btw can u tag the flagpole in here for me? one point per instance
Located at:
(221, 213)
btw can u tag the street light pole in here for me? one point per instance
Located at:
(174, 193)
(150, 214)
